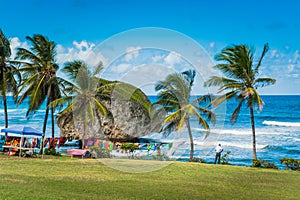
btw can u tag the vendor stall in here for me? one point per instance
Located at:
(18, 137)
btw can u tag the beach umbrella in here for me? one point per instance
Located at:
(22, 131)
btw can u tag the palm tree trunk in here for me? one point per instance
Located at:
(52, 120)
(3, 91)
(84, 128)
(4, 100)
(191, 139)
(45, 119)
(253, 128)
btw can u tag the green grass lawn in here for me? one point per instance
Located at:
(65, 178)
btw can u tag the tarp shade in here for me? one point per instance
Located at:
(22, 130)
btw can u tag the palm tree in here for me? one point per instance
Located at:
(39, 81)
(84, 99)
(8, 73)
(240, 80)
(88, 94)
(175, 98)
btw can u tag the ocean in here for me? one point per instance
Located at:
(277, 131)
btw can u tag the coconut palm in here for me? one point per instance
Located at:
(175, 98)
(8, 73)
(240, 81)
(39, 81)
(88, 95)
(84, 99)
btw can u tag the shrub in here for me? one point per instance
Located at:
(225, 158)
(200, 160)
(263, 164)
(291, 163)
(129, 147)
(52, 152)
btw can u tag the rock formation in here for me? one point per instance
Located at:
(126, 120)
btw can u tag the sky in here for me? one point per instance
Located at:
(118, 34)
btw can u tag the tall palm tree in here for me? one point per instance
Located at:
(240, 80)
(175, 97)
(39, 81)
(88, 94)
(84, 99)
(8, 73)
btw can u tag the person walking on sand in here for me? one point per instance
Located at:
(218, 150)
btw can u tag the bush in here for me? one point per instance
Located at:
(291, 163)
(200, 160)
(264, 164)
(225, 158)
(52, 152)
(99, 152)
(129, 147)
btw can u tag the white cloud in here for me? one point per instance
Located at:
(121, 68)
(296, 57)
(60, 49)
(132, 52)
(157, 58)
(173, 58)
(212, 44)
(291, 68)
(83, 45)
(80, 51)
(16, 43)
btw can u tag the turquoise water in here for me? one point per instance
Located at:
(277, 131)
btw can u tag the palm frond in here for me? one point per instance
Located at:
(210, 115)
(216, 102)
(219, 81)
(258, 100)
(262, 82)
(265, 50)
(100, 106)
(5, 50)
(181, 121)
(236, 111)
(59, 102)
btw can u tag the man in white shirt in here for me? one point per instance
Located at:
(218, 150)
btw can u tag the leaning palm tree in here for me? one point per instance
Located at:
(175, 98)
(39, 81)
(8, 73)
(240, 80)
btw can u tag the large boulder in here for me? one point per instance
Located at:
(126, 121)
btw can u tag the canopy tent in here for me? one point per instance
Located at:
(22, 131)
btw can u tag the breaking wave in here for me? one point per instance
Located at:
(286, 124)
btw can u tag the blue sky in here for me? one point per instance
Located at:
(78, 25)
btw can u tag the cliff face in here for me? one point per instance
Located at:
(126, 120)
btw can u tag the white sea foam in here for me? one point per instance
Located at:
(243, 131)
(241, 145)
(227, 131)
(286, 124)
(296, 139)
(15, 110)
